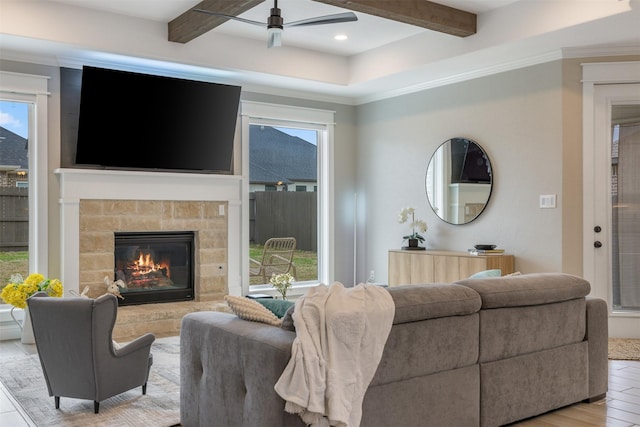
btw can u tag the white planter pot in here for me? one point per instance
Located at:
(25, 326)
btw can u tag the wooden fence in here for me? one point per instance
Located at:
(271, 214)
(284, 214)
(14, 219)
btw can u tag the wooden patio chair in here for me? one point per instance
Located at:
(277, 258)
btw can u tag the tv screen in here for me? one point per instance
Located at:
(140, 122)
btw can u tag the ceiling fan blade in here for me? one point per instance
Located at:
(236, 18)
(327, 19)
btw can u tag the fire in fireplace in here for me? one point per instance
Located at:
(154, 266)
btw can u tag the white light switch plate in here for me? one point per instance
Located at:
(547, 201)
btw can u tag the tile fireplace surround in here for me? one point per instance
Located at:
(96, 203)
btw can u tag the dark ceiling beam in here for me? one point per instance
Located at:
(421, 13)
(191, 24)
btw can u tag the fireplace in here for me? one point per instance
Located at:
(154, 266)
(96, 204)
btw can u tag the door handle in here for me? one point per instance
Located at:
(597, 244)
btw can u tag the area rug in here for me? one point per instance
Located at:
(160, 407)
(624, 349)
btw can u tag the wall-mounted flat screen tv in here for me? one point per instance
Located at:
(136, 121)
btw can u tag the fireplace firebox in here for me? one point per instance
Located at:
(154, 266)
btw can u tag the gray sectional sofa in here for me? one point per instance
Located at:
(478, 352)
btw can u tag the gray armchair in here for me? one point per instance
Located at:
(79, 360)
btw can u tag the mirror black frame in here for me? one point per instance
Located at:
(459, 167)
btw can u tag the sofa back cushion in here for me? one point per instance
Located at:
(426, 347)
(421, 302)
(527, 289)
(529, 313)
(512, 331)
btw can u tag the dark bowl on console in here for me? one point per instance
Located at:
(485, 247)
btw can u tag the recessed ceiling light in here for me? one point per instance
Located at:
(340, 37)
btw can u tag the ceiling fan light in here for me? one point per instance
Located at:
(274, 37)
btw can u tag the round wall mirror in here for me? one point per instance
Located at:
(459, 180)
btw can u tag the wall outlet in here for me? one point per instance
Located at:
(372, 276)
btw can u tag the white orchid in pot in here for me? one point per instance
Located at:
(417, 226)
(282, 282)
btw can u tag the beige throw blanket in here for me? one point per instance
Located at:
(341, 333)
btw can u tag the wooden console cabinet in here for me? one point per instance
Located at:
(413, 267)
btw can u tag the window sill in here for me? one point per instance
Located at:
(295, 291)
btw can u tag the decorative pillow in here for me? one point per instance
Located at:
(277, 306)
(249, 309)
(287, 320)
(486, 273)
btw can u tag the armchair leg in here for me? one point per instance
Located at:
(57, 400)
(96, 406)
(144, 388)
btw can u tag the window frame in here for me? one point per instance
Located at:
(33, 90)
(307, 118)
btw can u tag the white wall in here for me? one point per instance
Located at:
(516, 117)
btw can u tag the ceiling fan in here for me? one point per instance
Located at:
(275, 24)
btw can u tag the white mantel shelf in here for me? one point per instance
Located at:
(139, 185)
(98, 184)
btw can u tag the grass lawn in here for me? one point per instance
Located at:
(306, 263)
(13, 263)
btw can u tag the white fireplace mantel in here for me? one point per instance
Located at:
(83, 184)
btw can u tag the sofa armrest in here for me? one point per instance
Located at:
(597, 334)
(228, 367)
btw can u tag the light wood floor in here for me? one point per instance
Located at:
(621, 407)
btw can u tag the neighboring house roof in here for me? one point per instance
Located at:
(276, 156)
(13, 150)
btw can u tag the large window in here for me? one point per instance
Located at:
(14, 189)
(287, 149)
(24, 100)
(280, 158)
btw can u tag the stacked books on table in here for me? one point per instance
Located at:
(496, 251)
